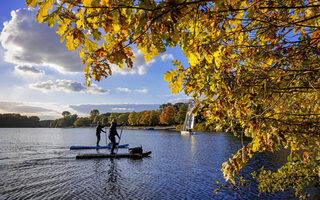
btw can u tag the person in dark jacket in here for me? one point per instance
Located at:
(112, 133)
(98, 131)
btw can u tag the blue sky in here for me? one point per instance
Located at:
(39, 76)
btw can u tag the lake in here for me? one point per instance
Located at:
(36, 163)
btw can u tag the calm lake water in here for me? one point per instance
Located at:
(36, 163)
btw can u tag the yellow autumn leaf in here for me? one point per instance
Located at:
(116, 27)
(168, 77)
(193, 59)
(81, 53)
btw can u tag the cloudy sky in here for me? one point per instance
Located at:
(39, 76)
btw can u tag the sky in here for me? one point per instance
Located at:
(40, 77)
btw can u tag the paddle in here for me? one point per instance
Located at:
(119, 139)
(106, 135)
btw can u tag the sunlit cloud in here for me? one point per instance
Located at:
(45, 85)
(140, 66)
(28, 43)
(122, 109)
(123, 89)
(166, 56)
(141, 91)
(69, 87)
(127, 90)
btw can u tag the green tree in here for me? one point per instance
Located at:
(96, 119)
(66, 121)
(255, 63)
(66, 113)
(82, 121)
(104, 120)
(94, 113)
(133, 119)
(154, 118)
(123, 118)
(17, 120)
(53, 124)
(113, 116)
(162, 106)
(181, 115)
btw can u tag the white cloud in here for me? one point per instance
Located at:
(68, 86)
(123, 89)
(179, 100)
(166, 56)
(95, 89)
(46, 85)
(28, 69)
(136, 90)
(141, 91)
(103, 108)
(140, 66)
(26, 42)
(122, 109)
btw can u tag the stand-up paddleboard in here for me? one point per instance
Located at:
(119, 155)
(97, 147)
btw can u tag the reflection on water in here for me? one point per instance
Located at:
(37, 164)
(112, 186)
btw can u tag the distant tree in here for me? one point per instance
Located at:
(145, 118)
(66, 121)
(96, 119)
(178, 105)
(182, 111)
(133, 119)
(139, 117)
(16, 120)
(66, 113)
(113, 116)
(82, 121)
(73, 118)
(34, 121)
(154, 118)
(165, 105)
(54, 124)
(94, 113)
(45, 123)
(168, 115)
(123, 118)
(104, 120)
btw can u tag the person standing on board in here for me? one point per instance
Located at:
(98, 131)
(112, 133)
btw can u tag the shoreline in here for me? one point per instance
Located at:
(167, 128)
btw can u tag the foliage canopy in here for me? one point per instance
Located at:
(252, 63)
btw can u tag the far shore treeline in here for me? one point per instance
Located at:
(167, 115)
